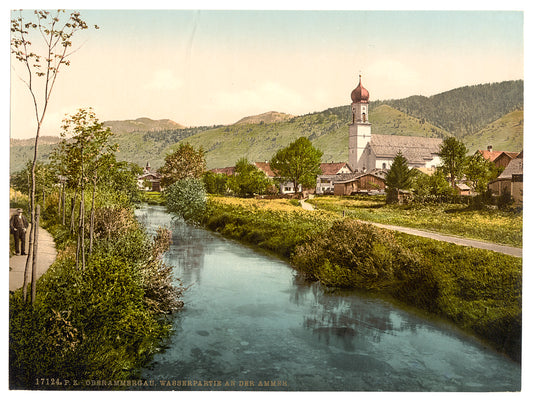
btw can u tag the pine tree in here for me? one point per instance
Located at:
(398, 178)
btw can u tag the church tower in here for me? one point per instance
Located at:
(360, 128)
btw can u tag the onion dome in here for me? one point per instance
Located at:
(360, 94)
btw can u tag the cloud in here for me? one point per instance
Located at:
(164, 80)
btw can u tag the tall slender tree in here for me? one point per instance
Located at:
(453, 156)
(41, 44)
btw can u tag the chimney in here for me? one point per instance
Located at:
(489, 148)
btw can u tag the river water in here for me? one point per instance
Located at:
(249, 323)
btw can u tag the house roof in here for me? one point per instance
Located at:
(355, 177)
(511, 155)
(333, 167)
(493, 155)
(265, 167)
(516, 166)
(414, 149)
(462, 186)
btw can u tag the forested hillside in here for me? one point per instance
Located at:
(466, 110)
(480, 115)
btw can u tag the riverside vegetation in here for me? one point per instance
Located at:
(478, 290)
(102, 322)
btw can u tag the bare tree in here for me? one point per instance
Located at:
(42, 61)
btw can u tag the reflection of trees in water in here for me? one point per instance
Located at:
(189, 246)
(342, 318)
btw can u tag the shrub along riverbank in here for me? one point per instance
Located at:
(480, 291)
(99, 323)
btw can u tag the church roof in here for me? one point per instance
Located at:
(360, 94)
(414, 149)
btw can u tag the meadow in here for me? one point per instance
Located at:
(502, 227)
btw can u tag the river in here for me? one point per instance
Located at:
(250, 323)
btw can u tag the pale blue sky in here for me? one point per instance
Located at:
(215, 67)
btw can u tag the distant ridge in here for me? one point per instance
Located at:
(265, 118)
(143, 124)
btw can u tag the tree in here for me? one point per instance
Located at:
(298, 163)
(41, 45)
(453, 156)
(248, 179)
(84, 153)
(430, 187)
(398, 177)
(480, 171)
(184, 162)
(187, 198)
(215, 183)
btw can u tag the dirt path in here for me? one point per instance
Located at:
(46, 256)
(461, 241)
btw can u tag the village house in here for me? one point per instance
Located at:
(332, 172)
(149, 180)
(361, 183)
(511, 180)
(499, 158)
(369, 151)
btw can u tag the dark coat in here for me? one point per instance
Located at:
(18, 223)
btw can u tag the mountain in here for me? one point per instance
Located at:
(504, 134)
(480, 115)
(265, 118)
(142, 124)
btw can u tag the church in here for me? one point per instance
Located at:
(369, 151)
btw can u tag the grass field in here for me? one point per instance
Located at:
(456, 219)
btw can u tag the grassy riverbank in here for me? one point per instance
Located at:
(478, 290)
(103, 322)
(502, 227)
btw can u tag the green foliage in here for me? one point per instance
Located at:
(187, 198)
(480, 171)
(398, 177)
(298, 163)
(453, 157)
(354, 254)
(183, 163)
(430, 188)
(248, 179)
(215, 183)
(101, 322)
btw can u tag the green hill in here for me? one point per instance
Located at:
(478, 114)
(504, 134)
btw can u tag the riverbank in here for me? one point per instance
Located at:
(46, 256)
(478, 290)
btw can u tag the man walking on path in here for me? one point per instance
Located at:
(18, 225)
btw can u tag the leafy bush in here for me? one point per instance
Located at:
(105, 321)
(354, 254)
(187, 198)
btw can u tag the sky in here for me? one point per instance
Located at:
(201, 67)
